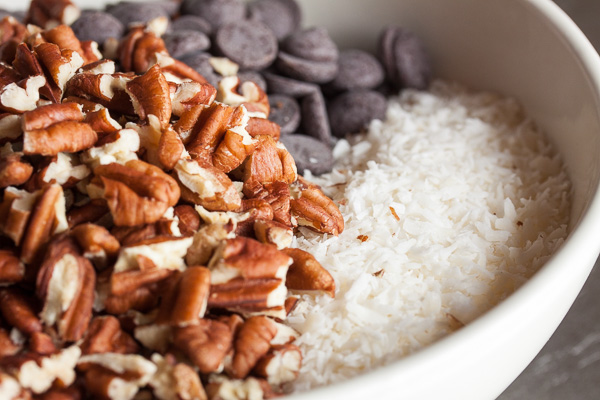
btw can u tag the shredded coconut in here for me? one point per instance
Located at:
(461, 198)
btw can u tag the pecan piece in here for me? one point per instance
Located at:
(306, 273)
(203, 184)
(220, 387)
(174, 70)
(67, 136)
(7, 346)
(273, 232)
(41, 343)
(65, 283)
(259, 296)
(20, 96)
(164, 252)
(136, 193)
(45, 116)
(206, 240)
(97, 243)
(138, 48)
(187, 95)
(261, 126)
(101, 121)
(64, 37)
(10, 128)
(205, 344)
(12, 270)
(269, 163)
(248, 94)
(64, 169)
(118, 147)
(50, 13)
(61, 64)
(189, 220)
(248, 259)
(282, 364)
(106, 336)
(315, 210)
(185, 301)
(151, 95)
(252, 342)
(13, 170)
(175, 380)
(17, 310)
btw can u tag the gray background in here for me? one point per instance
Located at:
(568, 367)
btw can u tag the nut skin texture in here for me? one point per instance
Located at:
(206, 344)
(67, 136)
(14, 171)
(106, 336)
(185, 303)
(306, 273)
(316, 211)
(12, 270)
(18, 311)
(137, 192)
(152, 95)
(252, 342)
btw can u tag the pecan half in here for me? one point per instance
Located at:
(67, 136)
(65, 283)
(106, 336)
(205, 344)
(13, 170)
(248, 259)
(150, 94)
(252, 342)
(45, 116)
(254, 296)
(315, 210)
(97, 243)
(61, 64)
(136, 193)
(306, 273)
(185, 301)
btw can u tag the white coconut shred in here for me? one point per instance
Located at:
(450, 204)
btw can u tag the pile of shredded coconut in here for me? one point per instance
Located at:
(450, 204)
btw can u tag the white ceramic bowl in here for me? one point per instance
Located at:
(531, 50)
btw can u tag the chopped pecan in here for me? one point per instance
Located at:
(50, 13)
(13, 170)
(97, 243)
(20, 96)
(38, 373)
(273, 232)
(15, 211)
(67, 136)
(106, 336)
(206, 240)
(282, 364)
(47, 218)
(12, 270)
(164, 252)
(248, 94)
(41, 343)
(203, 184)
(306, 273)
(45, 116)
(7, 346)
(256, 209)
(163, 147)
(206, 344)
(64, 37)
(248, 259)
(89, 212)
(105, 89)
(110, 375)
(118, 147)
(174, 70)
(191, 94)
(269, 163)
(185, 301)
(64, 169)
(10, 127)
(175, 380)
(65, 283)
(189, 221)
(60, 64)
(28, 65)
(137, 49)
(136, 193)
(151, 95)
(252, 342)
(142, 299)
(313, 209)
(258, 296)
(220, 387)
(261, 126)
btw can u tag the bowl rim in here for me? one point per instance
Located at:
(577, 243)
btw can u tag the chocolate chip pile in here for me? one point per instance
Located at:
(322, 92)
(148, 202)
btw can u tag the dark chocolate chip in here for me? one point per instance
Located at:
(285, 111)
(311, 44)
(97, 26)
(404, 58)
(315, 122)
(309, 153)
(288, 86)
(180, 43)
(357, 70)
(248, 43)
(351, 112)
(191, 23)
(306, 70)
(130, 13)
(253, 76)
(200, 62)
(216, 12)
(281, 16)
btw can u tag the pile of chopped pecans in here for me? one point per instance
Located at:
(145, 222)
